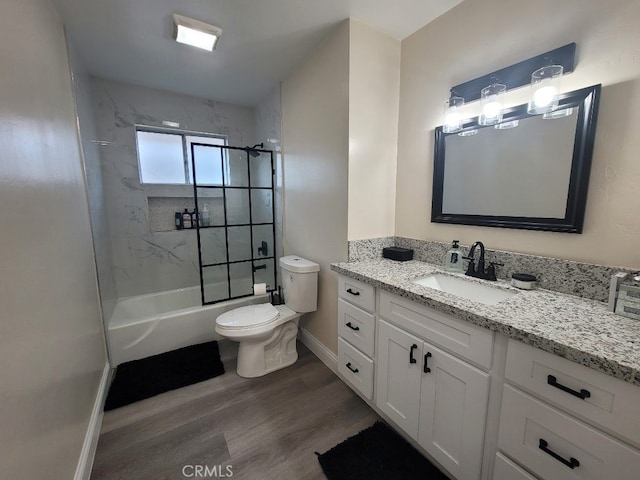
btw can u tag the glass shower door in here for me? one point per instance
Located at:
(233, 190)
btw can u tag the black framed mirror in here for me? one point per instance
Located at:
(532, 173)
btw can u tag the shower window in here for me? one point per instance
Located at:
(236, 231)
(164, 156)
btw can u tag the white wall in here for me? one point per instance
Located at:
(51, 341)
(374, 90)
(476, 38)
(315, 133)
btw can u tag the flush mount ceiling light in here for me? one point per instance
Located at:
(195, 33)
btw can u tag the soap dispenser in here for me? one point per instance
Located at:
(453, 260)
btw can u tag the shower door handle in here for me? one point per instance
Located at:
(259, 267)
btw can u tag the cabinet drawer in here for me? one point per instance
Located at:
(357, 327)
(357, 292)
(549, 442)
(608, 402)
(356, 368)
(466, 340)
(505, 469)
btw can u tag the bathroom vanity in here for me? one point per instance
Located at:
(509, 385)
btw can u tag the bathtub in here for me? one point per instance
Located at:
(149, 324)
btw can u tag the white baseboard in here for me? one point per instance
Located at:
(83, 470)
(325, 355)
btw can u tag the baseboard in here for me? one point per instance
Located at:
(83, 471)
(325, 355)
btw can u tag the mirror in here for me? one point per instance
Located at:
(534, 175)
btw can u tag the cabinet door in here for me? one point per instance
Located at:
(453, 410)
(398, 379)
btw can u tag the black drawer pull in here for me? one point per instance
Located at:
(352, 292)
(411, 359)
(354, 370)
(427, 356)
(571, 463)
(352, 327)
(582, 394)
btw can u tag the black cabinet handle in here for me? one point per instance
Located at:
(582, 394)
(352, 292)
(571, 463)
(354, 370)
(352, 327)
(411, 359)
(427, 356)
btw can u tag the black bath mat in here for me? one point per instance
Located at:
(151, 376)
(377, 453)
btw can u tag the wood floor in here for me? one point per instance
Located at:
(265, 428)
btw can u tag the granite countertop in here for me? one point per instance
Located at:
(578, 329)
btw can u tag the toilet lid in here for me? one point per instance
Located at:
(249, 316)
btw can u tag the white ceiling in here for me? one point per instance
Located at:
(262, 40)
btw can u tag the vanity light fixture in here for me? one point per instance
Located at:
(491, 104)
(195, 33)
(545, 89)
(453, 118)
(544, 83)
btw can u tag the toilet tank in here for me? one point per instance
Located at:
(299, 283)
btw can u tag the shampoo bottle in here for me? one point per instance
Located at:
(453, 260)
(186, 219)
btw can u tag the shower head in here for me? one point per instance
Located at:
(252, 150)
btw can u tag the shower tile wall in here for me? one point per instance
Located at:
(145, 261)
(267, 122)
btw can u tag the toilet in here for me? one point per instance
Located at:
(267, 333)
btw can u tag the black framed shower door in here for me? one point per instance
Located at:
(233, 190)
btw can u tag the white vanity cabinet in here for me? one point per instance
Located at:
(356, 334)
(563, 420)
(437, 398)
(438, 379)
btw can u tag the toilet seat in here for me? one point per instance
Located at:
(247, 317)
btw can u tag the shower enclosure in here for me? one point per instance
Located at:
(234, 201)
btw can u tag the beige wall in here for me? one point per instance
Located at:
(315, 134)
(476, 38)
(51, 341)
(374, 89)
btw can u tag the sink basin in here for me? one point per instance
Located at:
(468, 289)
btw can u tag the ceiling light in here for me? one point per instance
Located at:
(195, 33)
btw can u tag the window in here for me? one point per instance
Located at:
(165, 157)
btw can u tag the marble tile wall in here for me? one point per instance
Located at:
(565, 276)
(268, 131)
(145, 261)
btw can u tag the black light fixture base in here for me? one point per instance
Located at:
(518, 74)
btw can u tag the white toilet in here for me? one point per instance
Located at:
(267, 333)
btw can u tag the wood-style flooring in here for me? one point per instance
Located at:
(263, 428)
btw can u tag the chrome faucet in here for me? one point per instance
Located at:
(479, 271)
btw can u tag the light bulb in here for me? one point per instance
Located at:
(491, 109)
(544, 96)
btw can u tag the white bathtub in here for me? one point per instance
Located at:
(146, 325)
